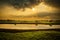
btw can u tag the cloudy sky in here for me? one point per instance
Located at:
(28, 8)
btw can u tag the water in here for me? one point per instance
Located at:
(28, 26)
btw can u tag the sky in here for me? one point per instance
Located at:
(21, 3)
(29, 8)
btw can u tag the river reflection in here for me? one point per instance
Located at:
(28, 26)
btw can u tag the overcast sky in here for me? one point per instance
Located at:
(8, 7)
(55, 3)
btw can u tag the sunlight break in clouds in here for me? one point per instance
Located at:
(42, 7)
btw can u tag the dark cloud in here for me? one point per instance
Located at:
(54, 3)
(29, 3)
(20, 3)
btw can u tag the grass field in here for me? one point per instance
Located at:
(30, 35)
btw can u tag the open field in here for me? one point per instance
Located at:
(30, 35)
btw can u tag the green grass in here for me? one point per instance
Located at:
(32, 35)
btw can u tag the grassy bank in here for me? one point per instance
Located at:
(30, 35)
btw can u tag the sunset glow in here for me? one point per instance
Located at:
(33, 9)
(42, 7)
